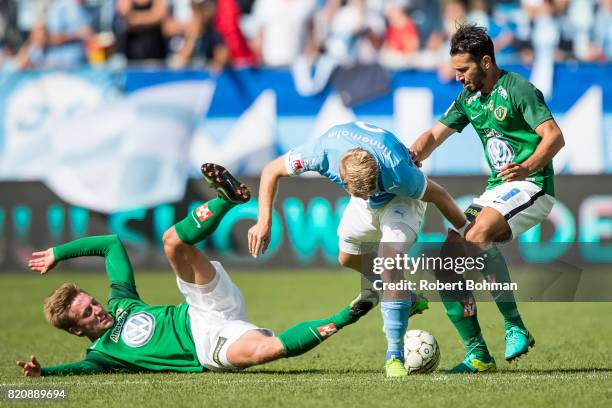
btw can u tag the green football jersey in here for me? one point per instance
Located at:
(505, 121)
(156, 338)
(143, 337)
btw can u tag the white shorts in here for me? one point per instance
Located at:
(218, 317)
(522, 203)
(396, 222)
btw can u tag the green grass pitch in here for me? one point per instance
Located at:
(570, 366)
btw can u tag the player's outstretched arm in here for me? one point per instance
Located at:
(552, 142)
(30, 368)
(90, 365)
(436, 194)
(429, 141)
(259, 234)
(43, 261)
(118, 266)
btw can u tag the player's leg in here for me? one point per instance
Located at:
(258, 346)
(399, 223)
(462, 312)
(188, 262)
(512, 208)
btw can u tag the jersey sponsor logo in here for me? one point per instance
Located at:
(120, 321)
(472, 98)
(500, 153)
(203, 212)
(297, 165)
(138, 329)
(469, 307)
(502, 91)
(327, 330)
(493, 133)
(361, 138)
(500, 113)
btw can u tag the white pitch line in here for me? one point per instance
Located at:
(293, 380)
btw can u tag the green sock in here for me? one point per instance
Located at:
(467, 326)
(202, 221)
(496, 270)
(307, 335)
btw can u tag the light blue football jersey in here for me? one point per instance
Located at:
(399, 176)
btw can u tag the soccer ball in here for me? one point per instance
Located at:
(421, 352)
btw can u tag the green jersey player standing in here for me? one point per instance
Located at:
(520, 139)
(210, 331)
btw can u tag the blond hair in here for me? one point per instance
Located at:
(57, 305)
(359, 172)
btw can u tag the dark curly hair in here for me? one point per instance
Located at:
(474, 41)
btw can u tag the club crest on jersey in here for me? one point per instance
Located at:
(297, 165)
(138, 329)
(203, 212)
(327, 330)
(500, 113)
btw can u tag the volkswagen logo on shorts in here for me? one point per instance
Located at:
(138, 329)
(500, 153)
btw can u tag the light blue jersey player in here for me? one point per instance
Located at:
(398, 176)
(388, 195)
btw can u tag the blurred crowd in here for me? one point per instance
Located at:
(312, 37)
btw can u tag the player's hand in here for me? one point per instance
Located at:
(30, 368)
(42, 262)
(259, 239)
(513, 172)
(415, 158)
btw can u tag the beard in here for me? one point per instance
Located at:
(477, 81)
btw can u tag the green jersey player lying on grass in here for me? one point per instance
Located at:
(210, 331)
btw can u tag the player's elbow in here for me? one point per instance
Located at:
(275, 168)
(171, 242)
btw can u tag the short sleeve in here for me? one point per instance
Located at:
(529, 100)
(455, 117)
(306, 157)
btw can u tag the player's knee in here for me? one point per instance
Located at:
(345, 259)
(265, 351)
(480, 232)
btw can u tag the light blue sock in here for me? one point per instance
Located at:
(395, 319)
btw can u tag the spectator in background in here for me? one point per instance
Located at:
(33, 53)
(227, 23)
(176, 23)
(438, 47)
(202, 42)
(138, 28)
(580, 18)
(603, 31)
(284, 30)
(402, 40)
(69, 28)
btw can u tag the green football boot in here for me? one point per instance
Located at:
(394, 368)
(419, 304)
(518, 342)
(474, 365)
